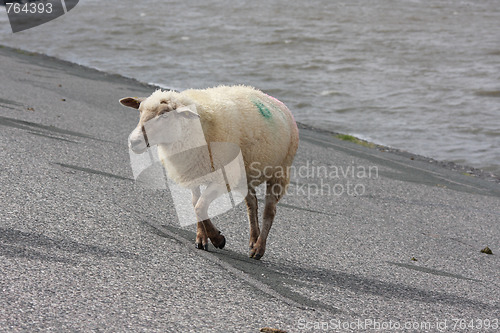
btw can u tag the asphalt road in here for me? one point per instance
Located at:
(393, 245)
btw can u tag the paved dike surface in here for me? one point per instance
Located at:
(394, 245)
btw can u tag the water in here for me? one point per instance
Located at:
(417, 75)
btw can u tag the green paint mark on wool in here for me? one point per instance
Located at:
(264, 111)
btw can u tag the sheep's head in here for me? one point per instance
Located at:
(159, 119)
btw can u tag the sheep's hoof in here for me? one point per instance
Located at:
(257, 256)
(200, 246)
(219, 241)
(220, 244)
(254, 255)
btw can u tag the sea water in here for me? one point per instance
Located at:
(412, 74)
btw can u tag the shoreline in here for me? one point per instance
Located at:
(462, 169)
(459, 168)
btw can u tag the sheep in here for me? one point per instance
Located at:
(261, 126)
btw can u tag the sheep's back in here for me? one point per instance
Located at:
(262, 126)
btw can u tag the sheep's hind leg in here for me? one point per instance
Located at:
(205, 228)
(274, 192)
(253, 219)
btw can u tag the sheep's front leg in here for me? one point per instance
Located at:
(253, 219)
(269, 212)
(205, 228)
(201, 241)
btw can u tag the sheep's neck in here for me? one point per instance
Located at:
(196, 139)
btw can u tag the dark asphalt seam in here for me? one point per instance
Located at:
(51, 137)
(12, 251)
(430, 204)
(236, 272)
(29, 241)
(92, 171)
(8, 101)
(239, 273)
(3, 106)
(284, 205)
(30, 126)
(432, 271)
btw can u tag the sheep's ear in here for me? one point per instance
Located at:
(188, 111)
(132, 102)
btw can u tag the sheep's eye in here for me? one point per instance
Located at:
(163, 102)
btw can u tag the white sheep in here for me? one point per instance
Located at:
(260, 125)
